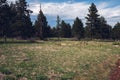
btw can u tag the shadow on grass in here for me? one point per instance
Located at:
(22, 42)
(99, 40)
(12, 41)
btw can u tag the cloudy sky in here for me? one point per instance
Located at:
(68, 10)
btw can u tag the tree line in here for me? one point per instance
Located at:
(15, 22)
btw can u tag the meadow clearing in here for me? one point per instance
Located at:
(58, 60)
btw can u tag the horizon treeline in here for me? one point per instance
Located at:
(15, 22)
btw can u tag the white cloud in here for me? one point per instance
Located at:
(11, 0)
(70, 10)
(65, 10)
(112, 14)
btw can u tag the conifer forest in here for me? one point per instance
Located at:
(35, 50)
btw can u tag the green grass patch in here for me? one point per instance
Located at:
(9, 78)
(61, 60)
(41, 77)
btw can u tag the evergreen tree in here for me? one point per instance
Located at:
(41, 26)
(116, 32)
(105, 29)
(13, 20)
(78, 29)
(4, 19)
(23, 22)
(65, 30)
(93, 23)
(69, 30)
(58, 27)
(48, 31)
(54, 32)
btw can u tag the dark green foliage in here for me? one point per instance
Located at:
(97, 27)
(93, 23)
(69, 31)
(116, 32)
(23, 25)
(65, 30)
(54, 32)
(5, 16)
(78, 29)
(105, 29)
(27, 30)
(15, 22)
(41, 28)
(41, 77)
(48, 31)
(68, 76)
(58, 27)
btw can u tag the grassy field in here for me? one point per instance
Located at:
(58, 60)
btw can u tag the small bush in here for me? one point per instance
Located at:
(41, 77)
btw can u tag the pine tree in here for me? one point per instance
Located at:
(23, 22)
(105, 29)
(54, 32)
(48, 31)
(4, 19)
(58, 27)
(41, 26)
(69, 30)
(13, 14)
(65, 30)
(116, 31)
(93, 23)
(78, 29)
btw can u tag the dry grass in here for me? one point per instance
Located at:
(73, 60)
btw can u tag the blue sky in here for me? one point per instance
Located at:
(68, 10)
